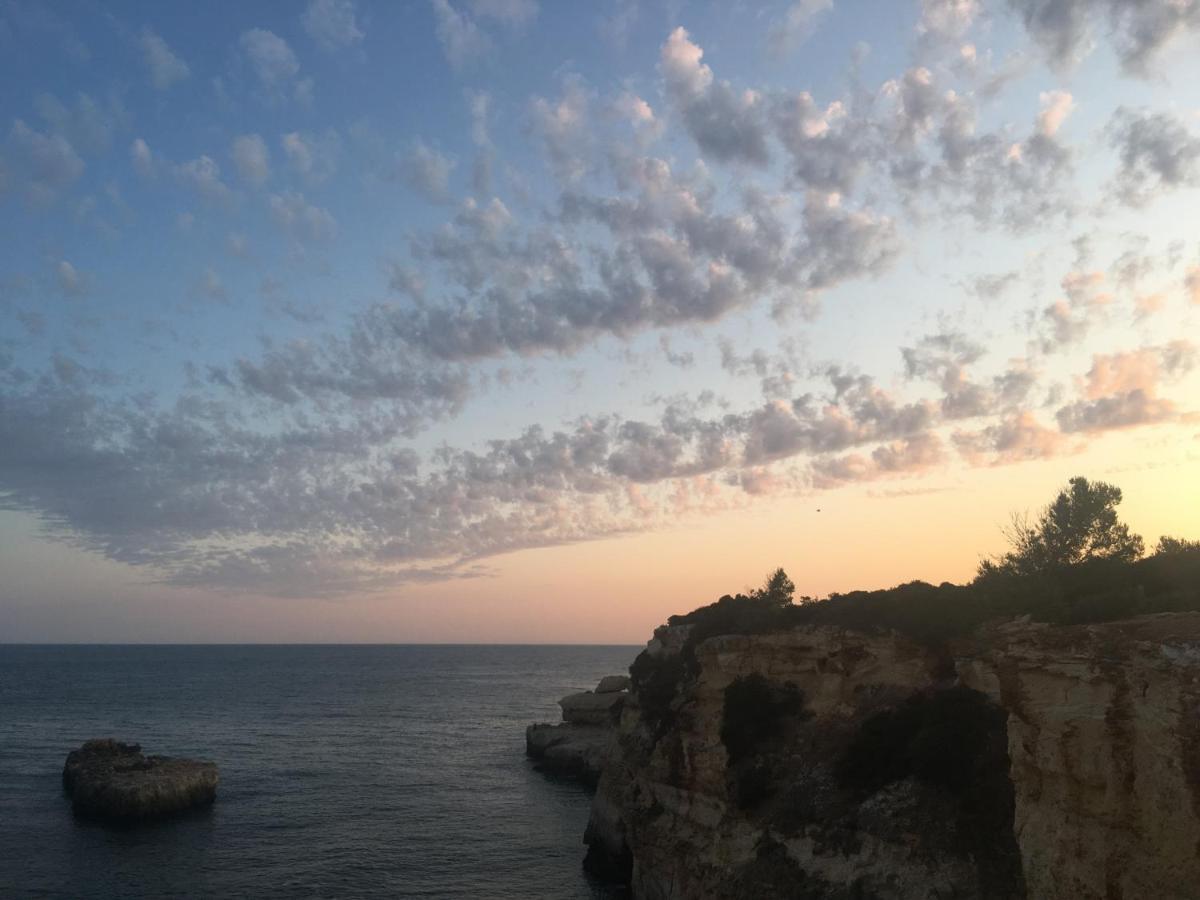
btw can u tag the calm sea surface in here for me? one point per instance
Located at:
(386, 771)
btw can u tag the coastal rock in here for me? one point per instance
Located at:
(567, 749)
(114, 780)
(1047, 762)
(589, 708)
(611, 683)
(581, 744)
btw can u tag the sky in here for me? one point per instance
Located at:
(517, 321)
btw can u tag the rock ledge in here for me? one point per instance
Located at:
(580, 744)
(113, 780)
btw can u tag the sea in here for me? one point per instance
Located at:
(346, 771)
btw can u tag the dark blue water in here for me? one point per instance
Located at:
(391, 771)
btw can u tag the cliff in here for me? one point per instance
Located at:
(818, 761)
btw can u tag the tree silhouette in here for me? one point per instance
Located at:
(1173, 546)
(777, 590)
(1081, 524)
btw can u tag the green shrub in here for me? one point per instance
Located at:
(655, 680)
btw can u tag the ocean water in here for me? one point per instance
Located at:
(346, 771)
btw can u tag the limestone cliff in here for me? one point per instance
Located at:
(821, 762)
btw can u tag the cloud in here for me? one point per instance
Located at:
(1156, 151)
(639, 114)
(300, 219)
(48, 163)
(671, 257)
(1056, 106)
(142, 158)
(1016, 438)
(728, 125)
(206, 498)
(211, 286)
(426, 171)
(462, 40)
(564, 128)
(989, 176)
(274, 64)
(908, 456)
(252, 159)
(1121, 389)
(203, 175)
(514, 13)
(945, 359)
(1066, 30)
(332, 24)
(1068, 320)
(1191, 284)
(992, 287)
(267, 498)
(947, 20)
(238, 245)
(312, 157)
(71, 281)
(89, 124)
(828, 148)
(165, 67)
(479, 104)
(798, 22)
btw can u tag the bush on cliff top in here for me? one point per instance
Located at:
(1095, 591)
(1076, 563)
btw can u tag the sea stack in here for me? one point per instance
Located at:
(109, 779)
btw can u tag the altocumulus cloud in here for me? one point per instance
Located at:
(670, 206)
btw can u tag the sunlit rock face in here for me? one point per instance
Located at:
(1028, 761)
(1104, 739)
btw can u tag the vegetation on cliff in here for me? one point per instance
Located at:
(1076, 563)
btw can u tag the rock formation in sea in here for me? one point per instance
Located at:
(580, 744)
(109, 779)
(1014, 760)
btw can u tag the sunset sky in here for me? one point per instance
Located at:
(499, 320)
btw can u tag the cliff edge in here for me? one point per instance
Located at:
(1014, 760)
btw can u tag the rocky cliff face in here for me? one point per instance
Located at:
(820, 762)
(1104, 741)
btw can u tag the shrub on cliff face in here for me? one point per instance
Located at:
(655, 681)
(955, 741)
(941, 738)
(753, 713)
(753, 718)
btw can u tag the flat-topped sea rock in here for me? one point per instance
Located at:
(113, 780)
(610, 684)
(588, 708)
